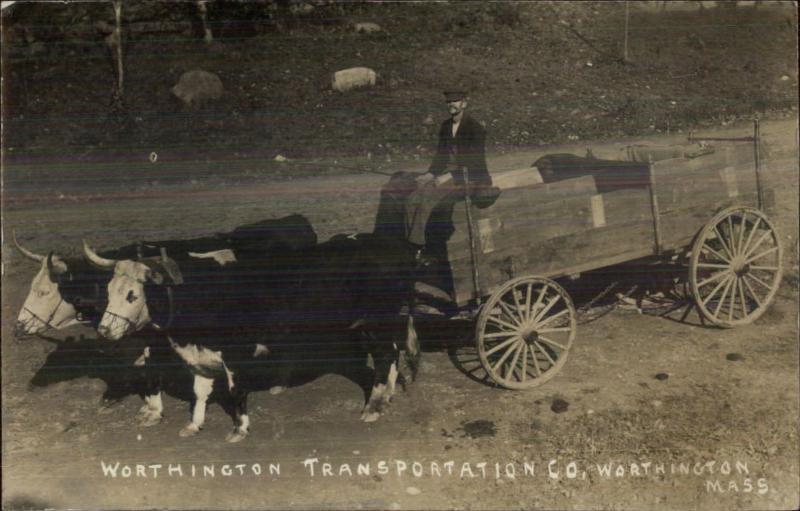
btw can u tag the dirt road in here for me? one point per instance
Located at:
(716, 429)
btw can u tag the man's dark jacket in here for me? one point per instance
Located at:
(465, 150)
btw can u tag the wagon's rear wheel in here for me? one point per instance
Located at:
(525, 331)
(736, 267)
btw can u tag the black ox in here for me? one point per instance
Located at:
(228, 321)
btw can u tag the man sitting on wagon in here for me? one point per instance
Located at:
(459, 166)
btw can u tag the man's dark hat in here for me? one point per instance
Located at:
(454, 94)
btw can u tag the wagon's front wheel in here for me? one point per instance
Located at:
(736, 267)
(525, 331)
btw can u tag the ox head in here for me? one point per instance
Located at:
(127, 310)
(45, 306)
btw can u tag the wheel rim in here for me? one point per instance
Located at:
(736, 267)
(525, 331)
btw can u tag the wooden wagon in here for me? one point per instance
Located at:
(503, 261)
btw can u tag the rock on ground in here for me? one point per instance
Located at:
(367, 28)
(353, 78)
(197, 86)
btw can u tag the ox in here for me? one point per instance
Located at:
(222, 320)
(67, 291)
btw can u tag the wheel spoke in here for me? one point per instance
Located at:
(720, 256)
(504, 333)
(513, 366)
(749, 288)
(765, 268)
(528, 302)
(714, 292)
(731, 235)
(544, 352)
(724, 295)
(745, 310)
(502, 359)
(723, 243)
(762, 254)
(503, 323)
(757, 244)
(520, 313)
(553, 343)
(539, 301)
(502, 345)
(552, 318)
(544, 311)
(535, 362)
(713, 278)
(759, 281)
(560, 329)
(509, 312)
(524, 360)
(733, 298)
(713, 265)
(742, 230)
(746, 247)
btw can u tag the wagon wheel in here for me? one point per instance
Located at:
(736, 267)
(524, 332)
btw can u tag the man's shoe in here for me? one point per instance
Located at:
(485, 196)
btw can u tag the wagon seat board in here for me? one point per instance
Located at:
(590, 213)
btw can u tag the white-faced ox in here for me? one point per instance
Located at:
(70, 290)
(222, 320)
(45, 306)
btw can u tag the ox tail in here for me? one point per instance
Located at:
(411, 357)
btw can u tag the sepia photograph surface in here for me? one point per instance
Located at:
(317, 254)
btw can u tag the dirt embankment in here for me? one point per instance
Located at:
(539, 73)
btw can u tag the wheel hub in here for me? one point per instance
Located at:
(530, 336)
(739, 267)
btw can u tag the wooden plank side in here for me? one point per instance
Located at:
(707, 179)
(536, 222)
(679, 227)
(552, 256)
(514, 200)
(549, 220)
(625, 206)
(590, 249)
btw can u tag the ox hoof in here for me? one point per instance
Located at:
(237, 435)
(190, 429)
(150, 419)
(277, 389)
(370, 416)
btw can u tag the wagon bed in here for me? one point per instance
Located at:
(501, 262)
(565, 228)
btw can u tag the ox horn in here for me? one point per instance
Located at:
(55, 265)
(100, 262)
(27, 253)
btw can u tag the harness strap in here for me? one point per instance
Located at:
(171, 316)
(47, 322)
(171, 307)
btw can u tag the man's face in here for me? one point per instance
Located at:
(456, 107)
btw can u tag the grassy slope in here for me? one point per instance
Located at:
(532, 83)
